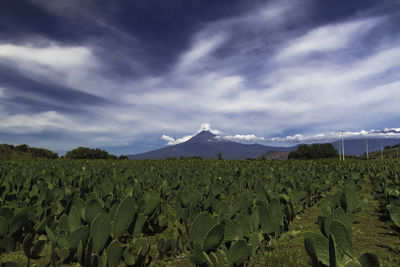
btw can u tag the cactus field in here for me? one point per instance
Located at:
(194, 212)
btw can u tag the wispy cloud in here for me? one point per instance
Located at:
(242, 137)
(200, 51)
(328, 38)
(294, 139)
(332, 136)
(258, 75)
(173, 141)
(51, 120)
(53, 56)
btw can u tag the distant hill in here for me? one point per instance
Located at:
(357, 147)
(204, 144)
(387, 153)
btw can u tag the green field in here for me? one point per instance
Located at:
(60, 212)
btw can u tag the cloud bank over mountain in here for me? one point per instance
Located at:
(294, 139)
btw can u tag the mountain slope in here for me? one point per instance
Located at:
(205, 144)
(358, 146)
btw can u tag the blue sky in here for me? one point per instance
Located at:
(132, 76)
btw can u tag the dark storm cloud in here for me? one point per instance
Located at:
(22, 21)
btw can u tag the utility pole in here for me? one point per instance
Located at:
(381, 152)
(342, 133)
(366, 145)
(397, 152)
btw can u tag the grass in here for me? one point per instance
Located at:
(373, 234)
(20, 258)
(288, 250)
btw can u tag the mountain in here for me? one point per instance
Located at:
(357, 147)
(206, 144)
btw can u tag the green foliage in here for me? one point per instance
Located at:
(3, 226)
(42, 153)
(317, 247)
(33, 250)
(214, 237)
(114, 253)
(200, 227)
(394, 212)
(334, 246)
(25, 150)
(100, 230)
(123, 217)
(217, 213)
(9, 264)
(79, 234)
(314, 151)
(238, 253)
(369, 260)
(88, 153)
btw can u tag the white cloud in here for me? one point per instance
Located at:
(243, 137)
(331, 136)
(219, 136)
(201, 49)
(57, 57)
(70, 66)
(228, 75)
(172, 141)
(167, 138)
(275, 96)
(204, 127)
(293, 139)
(49, 120)
(207, 127)
(328, 38)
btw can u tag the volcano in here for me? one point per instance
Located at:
(208, 145)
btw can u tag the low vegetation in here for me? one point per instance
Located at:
(88, 153)
(314, 151)
(195, 212)
(25, 150)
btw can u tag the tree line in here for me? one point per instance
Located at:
(77, 153)
(25, 150)
(88, 153)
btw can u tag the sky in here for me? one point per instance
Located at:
(133, 76)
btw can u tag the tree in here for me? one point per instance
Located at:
(315, 151)
(24, 148)
(42, 153)
(6, 149)
(88, 153)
